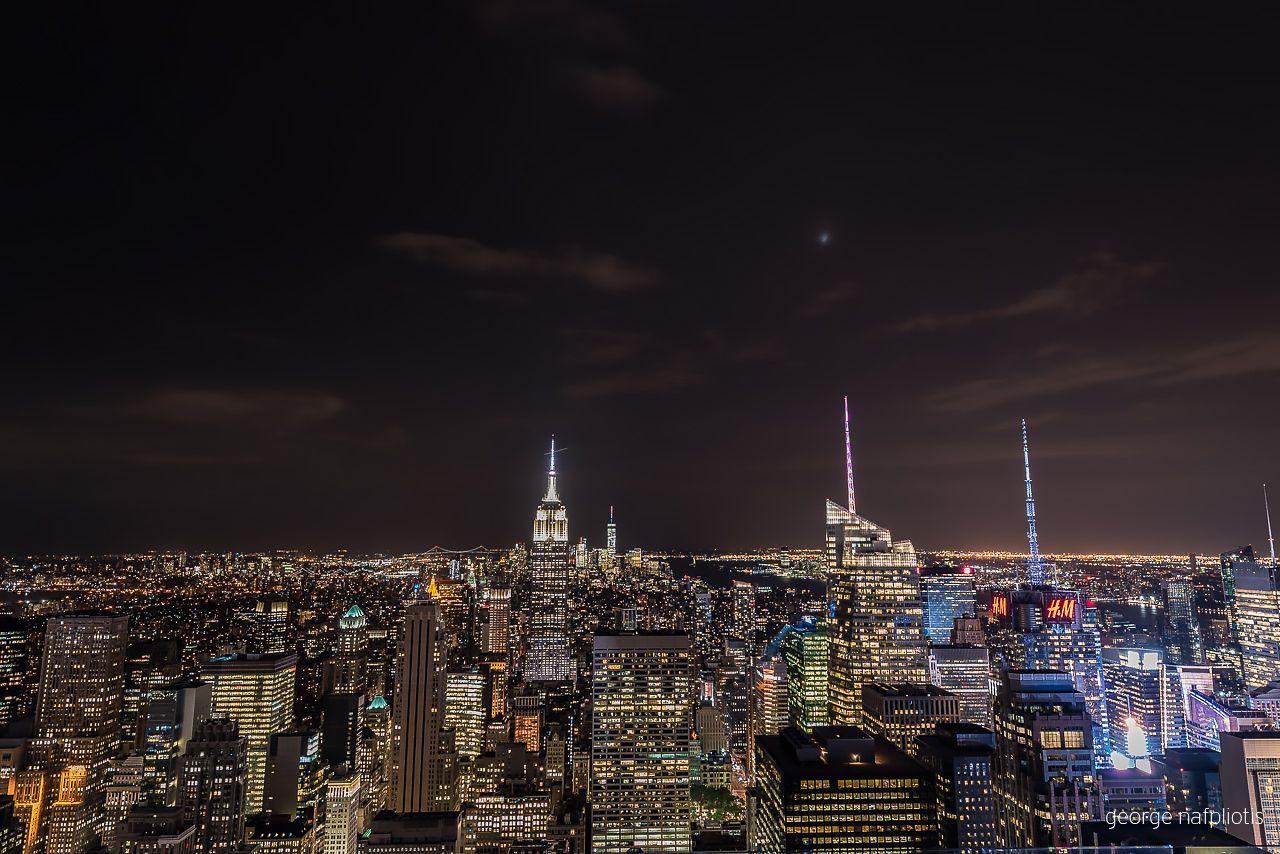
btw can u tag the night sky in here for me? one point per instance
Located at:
(306, 276)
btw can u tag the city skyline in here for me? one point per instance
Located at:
(337, 294)
(608, 529)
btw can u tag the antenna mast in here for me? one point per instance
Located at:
(1270, 538)
(848, 457)
(1035, 566)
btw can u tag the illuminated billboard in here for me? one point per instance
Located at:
(1060, 609)
(1000, 605)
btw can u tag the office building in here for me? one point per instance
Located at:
(527, 720)
(550, 653)
(496, 637)
(148, 665)
(173, 710)
(13, 669)
(423, 777)
(1044, 780)
(152, 829)
(611, 537)
(1057, 629)
(213, 784)
(342, 812)
(964, 671)
(419, 833)
(742, 599)
(466, 710)
(1255, 607)
(270, 628)
(257, 692)
(78, 709)
(877, 629)
(81, 692)
(1192, 780)
(1209, 717)
(509, 819)
(295, 773)
(274, 834)
(1130, 790)
(1180, 624)
(1250, 775)
(1132, 682)
(805, 651)
(901, 712)
(960, 756)
(351, 655)
(947, 593)
(838, 789)
(641, 688)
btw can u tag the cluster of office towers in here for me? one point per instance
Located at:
(907, 715)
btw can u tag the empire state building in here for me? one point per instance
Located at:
(549, 656)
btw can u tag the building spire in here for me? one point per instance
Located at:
(848, 457)
(1270, 539)
(552, 495)
(1035, 566)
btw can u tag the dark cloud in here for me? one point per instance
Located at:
(273, 410)
(642, 380)
(825, 300)
(584, 48)
(1236, 357)
(620, 87)
(1101, 282)
(604, 272)
(555, 24)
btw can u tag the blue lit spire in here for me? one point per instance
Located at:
(1035, 566)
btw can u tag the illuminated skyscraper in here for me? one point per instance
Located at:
(965, 672)
(611, 537)
(743, 598)
(13, 668)
(270, 627)
(1132, 683)
(902, 712)
(78, 711)
(1255, 606)
(342, 813)
(768, 714)
(877, 633)
(466, 710)
(805, 651)
(1180, 627)
(1044, 779)
(422, 758)
(351, 658)
(947, 592)
(550, 654)
(641, 688)
(1057, 629)
(82, 686)
(1250, 774)
(213, 783)
(497, 626)
(960, 755)
(257, 692)
(837, 790)
(173, 711)
(877, 626)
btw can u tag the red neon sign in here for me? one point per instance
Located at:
(1061, 609)
(1000, 605)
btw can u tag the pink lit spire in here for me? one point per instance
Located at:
(848, 457)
